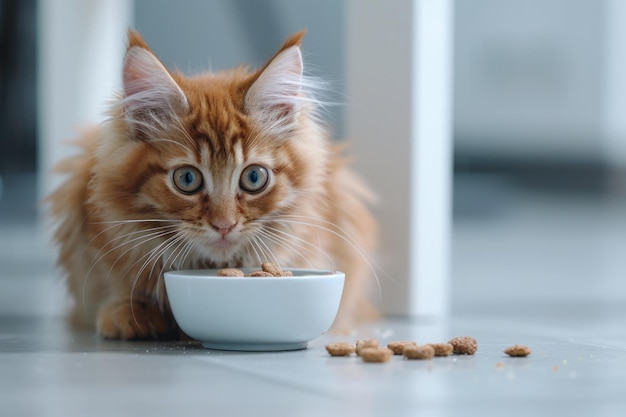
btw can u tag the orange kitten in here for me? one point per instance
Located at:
(217, 170)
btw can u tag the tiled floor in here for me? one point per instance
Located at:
(540, 269)
(47, 371)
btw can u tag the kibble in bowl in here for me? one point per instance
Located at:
(268, 269)
(262, 313)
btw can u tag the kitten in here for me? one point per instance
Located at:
(218, 170)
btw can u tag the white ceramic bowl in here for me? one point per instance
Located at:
(254, 314)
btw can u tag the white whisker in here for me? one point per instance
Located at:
(142, 241)
(291, 248)
(262, 249)
(277, 242)
(153, 258)
(271, 256)
(251, 243)
(191, 247)
(115, 224)
(150, 235)
(299, 243)
(177, 250)
(345, 236)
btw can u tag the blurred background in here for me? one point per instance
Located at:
(539, 134)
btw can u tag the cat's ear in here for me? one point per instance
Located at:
(151, 96)
(274, 98)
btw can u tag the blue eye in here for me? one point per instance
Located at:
(187, 179)
(254, 179)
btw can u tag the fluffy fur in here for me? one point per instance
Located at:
(122, 218)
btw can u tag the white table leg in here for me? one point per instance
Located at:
(81, 47)
(615, 85)
(399, 122)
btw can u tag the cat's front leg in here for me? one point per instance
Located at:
(135, 319)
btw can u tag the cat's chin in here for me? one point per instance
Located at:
(208, 255)
(220, 254)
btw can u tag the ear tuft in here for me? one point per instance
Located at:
(294, 40)
(151, 96)
(135, 39)
(274, 98)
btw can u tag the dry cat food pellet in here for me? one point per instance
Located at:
(272, 269)
(464, 345)
(419, 352)
(268, 269)
(230, 272)
(340, 349)
(365, 343)
(398, 347)
(375, 354)
(442, 349)
(260, 274)
(518, 351)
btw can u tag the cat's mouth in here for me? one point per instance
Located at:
(207, 249)
(224, 245)
(217, 254)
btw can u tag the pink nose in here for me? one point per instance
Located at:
(223, 226)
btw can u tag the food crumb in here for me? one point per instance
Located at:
(518, 351)
(499, 365)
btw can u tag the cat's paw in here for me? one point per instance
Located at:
(126, 319)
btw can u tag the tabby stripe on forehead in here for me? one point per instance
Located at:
(204, 138)
(238, 152)
(214, 144)
(218, 147)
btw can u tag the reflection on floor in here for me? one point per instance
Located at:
(539, 268)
